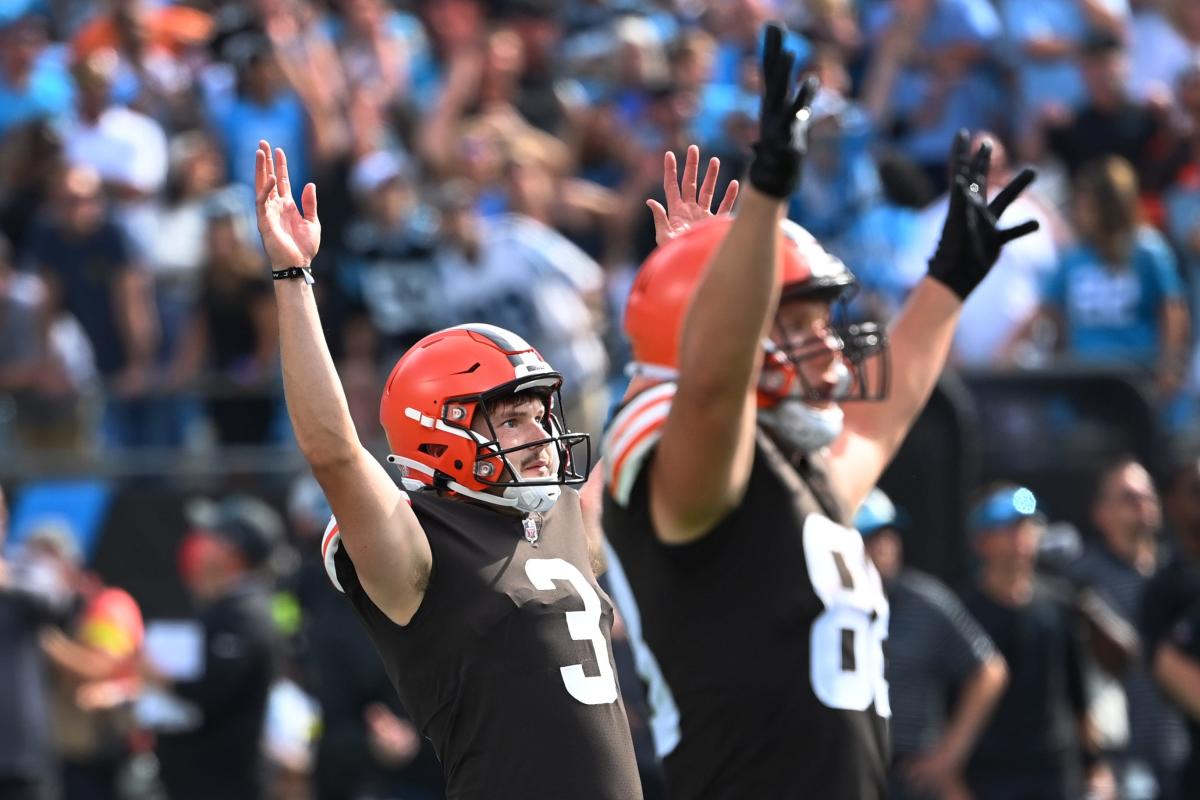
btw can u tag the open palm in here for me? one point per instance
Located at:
(691, 205)
(291, 236)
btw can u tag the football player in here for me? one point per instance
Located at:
(476, 580)
(733, 471)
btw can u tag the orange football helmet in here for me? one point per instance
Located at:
(667, 279)
(436, 392)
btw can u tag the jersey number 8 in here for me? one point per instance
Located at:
(846, 644)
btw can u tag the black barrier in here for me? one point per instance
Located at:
(931, 477)
(1049, 431)
(1053, 431)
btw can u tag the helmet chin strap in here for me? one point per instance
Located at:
(529, 498)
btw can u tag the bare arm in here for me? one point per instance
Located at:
(974, 707)
(1098, 15)
(919, 343)
(695, 480)
(921, 337)
(136, 317)
(378, 528)
(1179, 677)
(1173, 361)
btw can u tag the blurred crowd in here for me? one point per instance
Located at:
(463, 146)
(1064, 664)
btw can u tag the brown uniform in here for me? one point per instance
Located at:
(506, 666)
(761, 643)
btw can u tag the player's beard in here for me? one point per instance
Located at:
(800, 428)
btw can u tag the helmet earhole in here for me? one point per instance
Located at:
(458, 463)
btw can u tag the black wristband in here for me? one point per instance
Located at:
(287, 273)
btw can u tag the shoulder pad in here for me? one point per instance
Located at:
(632, 435)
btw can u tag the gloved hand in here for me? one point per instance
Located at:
(783, 121)
(971, 239)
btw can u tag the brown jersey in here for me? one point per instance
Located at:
(507, 666)
(760, 643)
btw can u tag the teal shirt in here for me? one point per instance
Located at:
(1114, 313)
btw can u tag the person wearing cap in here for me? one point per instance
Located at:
(1169, 614)
(1117, 565)
(1037, 742)
(222, 561)
(26, 747)
(935, 649)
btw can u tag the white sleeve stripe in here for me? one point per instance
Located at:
(645, 400)
(632, 433)
(331, 540)
(664, 712)
(330, 543)
(622, 486)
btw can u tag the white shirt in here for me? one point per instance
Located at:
(123, 145)
(1012, 290)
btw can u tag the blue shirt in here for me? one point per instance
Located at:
(1045, 81)
(48, 93)
(972, 99)
(1112, 314)
(282, 123)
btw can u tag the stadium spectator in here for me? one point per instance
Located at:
(1044, 39)
(221, 563)
(1117, 566)
(127, 148)
(1110, 122)
(935, 650)
(93, 659)
(85, 261)
(1037, 742)
(1165, 39)
(195, 184)
(1170, 615)
(155, 46)
(929, 74)
(34, 83)
(30, 162)
(27, 757)
(1116, 298)
(232, 338)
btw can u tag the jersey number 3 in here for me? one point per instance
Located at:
(584, 626)
(846, 646)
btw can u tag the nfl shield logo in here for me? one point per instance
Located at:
(531, 530)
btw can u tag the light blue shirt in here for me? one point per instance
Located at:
(1041, 82)
(1112, 314)
(973, 99)
(48, 93)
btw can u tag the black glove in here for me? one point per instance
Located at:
(783, 121)
(971, 241)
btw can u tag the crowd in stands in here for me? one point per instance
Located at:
(462, 146)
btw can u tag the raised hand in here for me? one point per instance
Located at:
(291, 238)
(684, 209)
(971, 236)
(783, 121)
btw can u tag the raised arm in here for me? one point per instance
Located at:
(922, 333)
(378, 528)
(706, 451)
